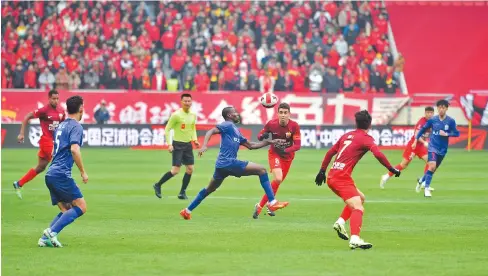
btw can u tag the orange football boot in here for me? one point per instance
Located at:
(277, 205)
(184, 213)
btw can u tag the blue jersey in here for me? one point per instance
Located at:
(231, 139)
(68, 133)
(438, 143)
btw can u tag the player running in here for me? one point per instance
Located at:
(350, 149)
(443, 127)
(183, 122)
(409, 153)
(227, 163)
(49, 116)
(64, 191)
(280, 156)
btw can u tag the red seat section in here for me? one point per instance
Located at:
(445, 47)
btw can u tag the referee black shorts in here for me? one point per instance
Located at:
(182, 153)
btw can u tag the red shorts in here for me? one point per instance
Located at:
(278, 162)
(343, 186)
(420, 151)
(46, 149)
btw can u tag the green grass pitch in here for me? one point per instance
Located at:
(128, 231)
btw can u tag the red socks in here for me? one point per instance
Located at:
(398, 167)
(346, 213)
(426, 168)
(275, 187)
(356, 221)
(27, 177)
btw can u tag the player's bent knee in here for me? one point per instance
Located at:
(189, 169)
(80, 203)
(355, 203)
(175, 170)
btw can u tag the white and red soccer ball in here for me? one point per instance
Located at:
(268, 100)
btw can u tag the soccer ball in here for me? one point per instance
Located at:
(268, 100)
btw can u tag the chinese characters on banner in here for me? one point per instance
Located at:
(141, 135)
(156, 108)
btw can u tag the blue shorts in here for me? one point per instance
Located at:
(62, 189)
(434, 157)
(235, 168)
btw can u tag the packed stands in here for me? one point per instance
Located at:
(237, 46)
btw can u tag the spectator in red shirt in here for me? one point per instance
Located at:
(7, 81)
(177, 64)
(202, 81)
(158, 80)
(381, 24)
(153, 31)
(334, 57)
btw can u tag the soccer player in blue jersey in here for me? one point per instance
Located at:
(443, 127)
(68, 139)
(228, 165)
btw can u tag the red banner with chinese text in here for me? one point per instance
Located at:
(155, 108)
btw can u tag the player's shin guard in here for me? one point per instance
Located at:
(356, 221)
(398, 167)
(428, 178)
(267, 187)
(67, 218)
(27, 177)
(56, 218)
(198, 199)
(185, 182)
(274, 186)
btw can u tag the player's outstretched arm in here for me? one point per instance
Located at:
(207, 138)
(257, 145)
(26, 120)
(264, 133)
(76, 153)
(320, 178)
(423, 129)
(383, 160)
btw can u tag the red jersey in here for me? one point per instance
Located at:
(418, 126)
(350, 149)
(49, 118)
(290, 133)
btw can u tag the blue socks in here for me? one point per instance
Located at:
(66, 218)
(198, 199)
(56, 218)
(266, 186)
(428, 178)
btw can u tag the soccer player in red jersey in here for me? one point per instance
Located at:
(49, 116)
(280, 156)
(409, 153)
(350, 149)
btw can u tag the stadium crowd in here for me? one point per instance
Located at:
(262, 46)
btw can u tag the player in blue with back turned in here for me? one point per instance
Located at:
(68, 139)
(227, 163)
(443, 127)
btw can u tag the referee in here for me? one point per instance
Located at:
(183, 122)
